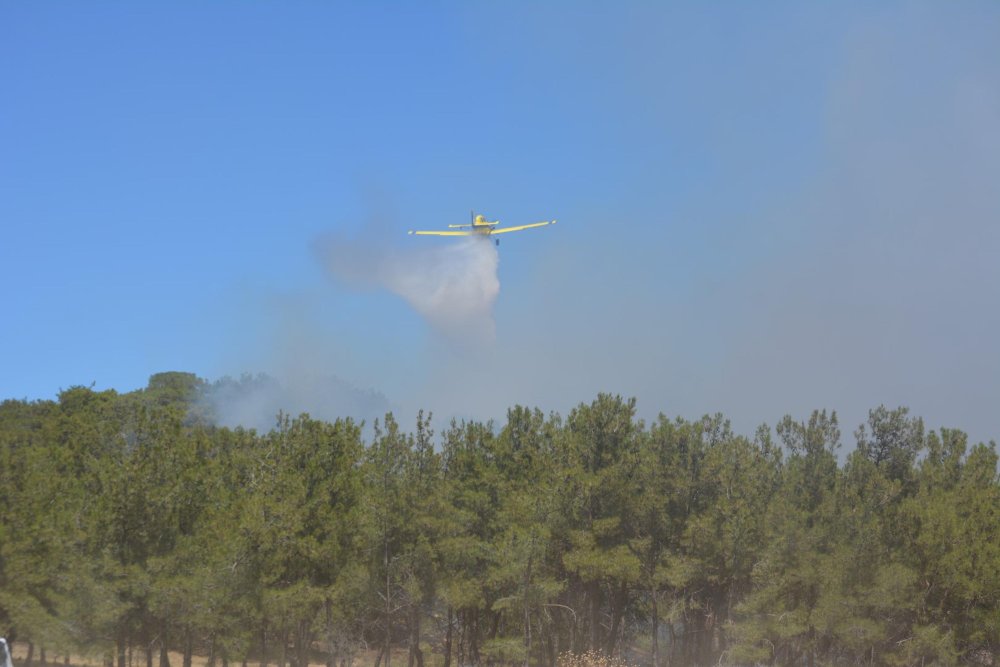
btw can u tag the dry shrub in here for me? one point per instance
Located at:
(589, 659)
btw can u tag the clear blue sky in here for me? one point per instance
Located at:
(764, 208)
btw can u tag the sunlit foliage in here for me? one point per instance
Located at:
(132, 526)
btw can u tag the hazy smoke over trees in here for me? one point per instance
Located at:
(256, 401)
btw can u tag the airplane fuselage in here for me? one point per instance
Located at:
(480, 226)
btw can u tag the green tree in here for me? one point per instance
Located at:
(602, 458)
(726, 536)
(780, 619)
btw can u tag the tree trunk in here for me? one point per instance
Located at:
(41, 655)
(416, 656)
(618, 602)
(656, 631)
(673, 643)
(495, 625)
(594, 593)
(263, 644)
(303, 642)
(332, 653)
(720, 641)
(527, 614)
(188, 647)
(164, 656)
(121, 649)
(447, 640)
(31, 655)
(283, 649)
(388, 606)
(472, 654)
(705, 639)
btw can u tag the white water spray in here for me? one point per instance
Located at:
(453, 287)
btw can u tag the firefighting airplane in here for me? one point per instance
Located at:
(480, 226)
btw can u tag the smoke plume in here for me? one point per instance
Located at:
(255, 401)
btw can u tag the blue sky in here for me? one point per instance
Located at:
(763, 208)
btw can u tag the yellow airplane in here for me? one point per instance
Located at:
(480, 226)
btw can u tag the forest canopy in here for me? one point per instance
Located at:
(132, 522)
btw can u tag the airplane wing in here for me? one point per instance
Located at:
(504, 230)
(469, 233)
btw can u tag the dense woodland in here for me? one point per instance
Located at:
(131, 525)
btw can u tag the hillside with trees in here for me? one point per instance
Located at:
(131, 525)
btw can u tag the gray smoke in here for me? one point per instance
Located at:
(256, 401)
